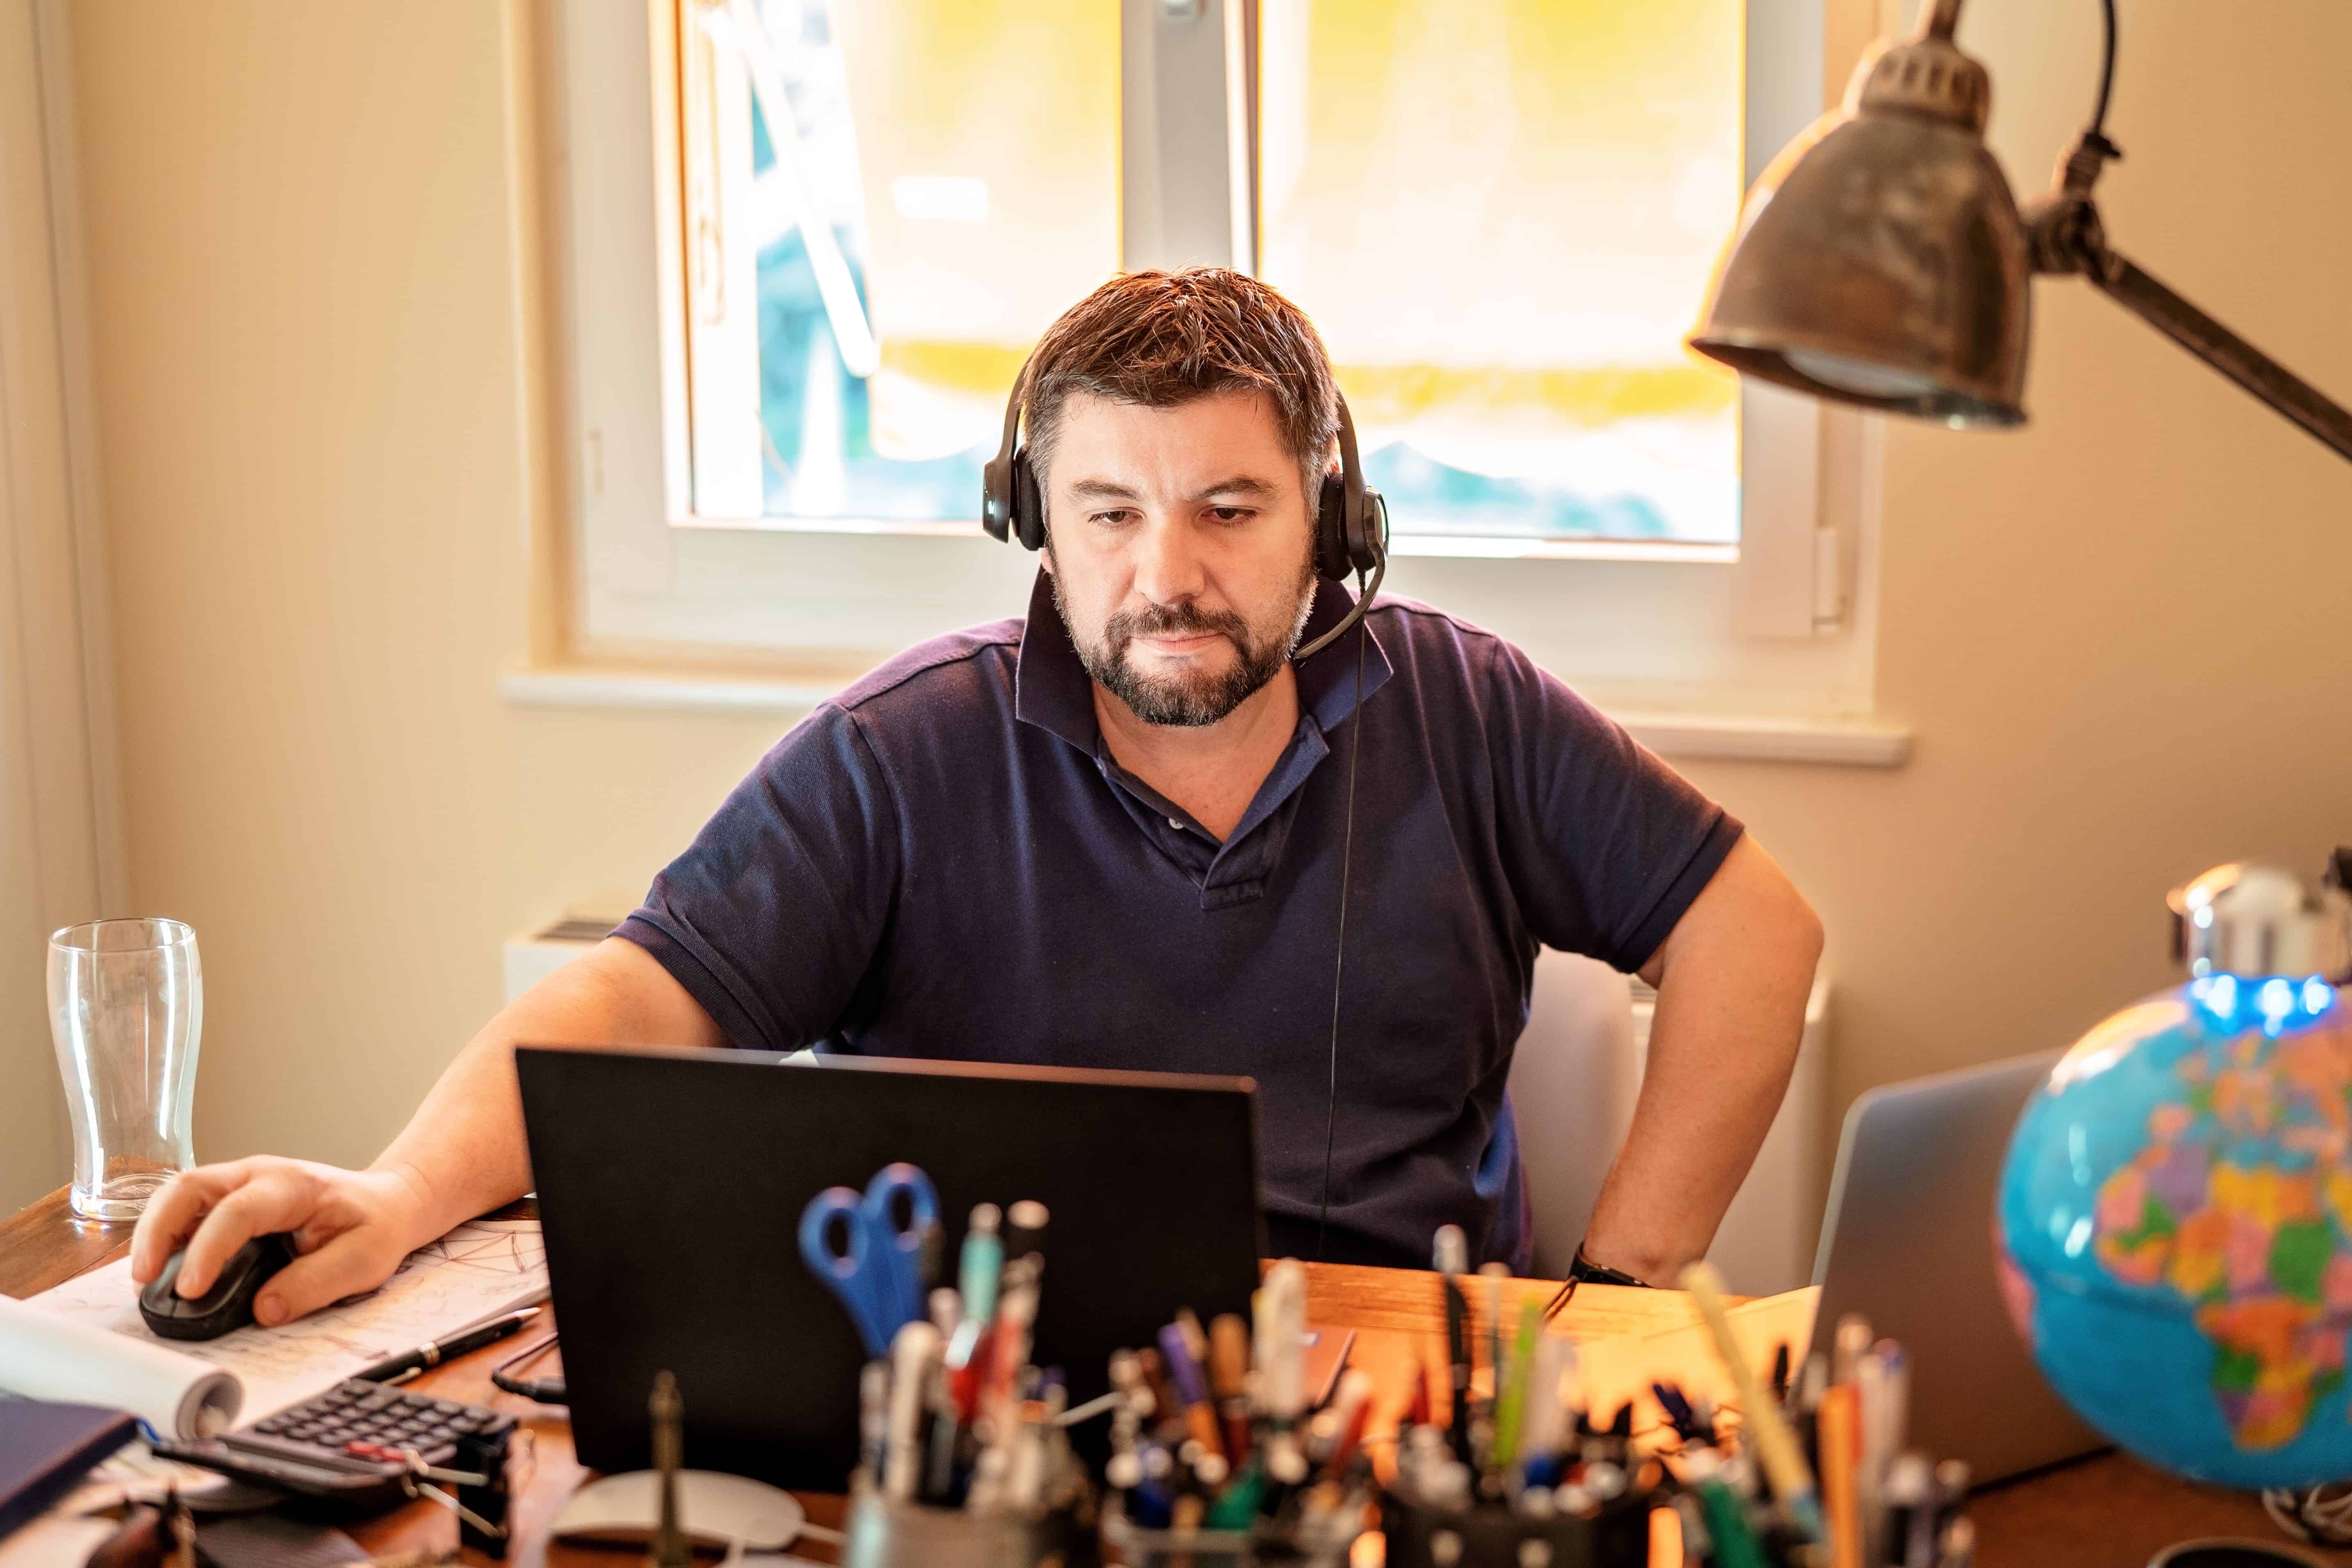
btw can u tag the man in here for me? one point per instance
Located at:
(1117, 833)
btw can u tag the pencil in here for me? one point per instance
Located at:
(1841, 1437)
(1776, 1450)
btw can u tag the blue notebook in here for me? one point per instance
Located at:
(46, 1449)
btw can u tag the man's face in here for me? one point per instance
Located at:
(1180, 549)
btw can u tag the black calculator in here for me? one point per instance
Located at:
(348, 1446)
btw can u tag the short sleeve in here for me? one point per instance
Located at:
(1606, 846)
(772, 916)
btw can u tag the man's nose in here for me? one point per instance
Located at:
(1168, 565)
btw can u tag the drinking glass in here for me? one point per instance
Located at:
(126, 1010)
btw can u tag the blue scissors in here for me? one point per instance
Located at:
(879, 1275)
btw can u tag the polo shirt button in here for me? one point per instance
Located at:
(1176, 824)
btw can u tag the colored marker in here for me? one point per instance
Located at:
(977, 1273)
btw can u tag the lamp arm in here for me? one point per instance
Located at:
(2064, 234)
(2125, 282)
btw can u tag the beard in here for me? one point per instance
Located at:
(1187, 701)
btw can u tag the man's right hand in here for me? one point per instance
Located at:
(351, 1228)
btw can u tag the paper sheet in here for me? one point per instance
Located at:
(478, 1271)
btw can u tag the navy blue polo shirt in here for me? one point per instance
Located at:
(945, 861)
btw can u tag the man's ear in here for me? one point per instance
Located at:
(1045, 555)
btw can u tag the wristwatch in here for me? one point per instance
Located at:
(1583, 1271)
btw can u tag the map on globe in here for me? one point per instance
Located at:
(2239, 1201)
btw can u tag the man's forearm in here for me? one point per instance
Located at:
(463, 1152)
(1732, 984)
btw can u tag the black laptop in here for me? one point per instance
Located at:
(671, 1184)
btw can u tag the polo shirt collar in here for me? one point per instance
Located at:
(1052, 690)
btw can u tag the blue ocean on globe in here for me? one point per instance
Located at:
(2175, 1230)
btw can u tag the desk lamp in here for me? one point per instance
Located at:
(1881, 260)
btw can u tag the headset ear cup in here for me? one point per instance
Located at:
(1331, 530)
(1367, 541)
(1028, 503)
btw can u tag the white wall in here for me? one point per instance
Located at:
(2116, 633)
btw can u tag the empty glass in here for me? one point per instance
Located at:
(126, 1009)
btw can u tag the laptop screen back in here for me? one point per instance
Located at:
(671, 1186)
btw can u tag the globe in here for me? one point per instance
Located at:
(2175, 1229)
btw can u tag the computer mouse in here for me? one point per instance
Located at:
(228, 1305)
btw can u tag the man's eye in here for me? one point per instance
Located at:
(1232, 514)
(1114, 518)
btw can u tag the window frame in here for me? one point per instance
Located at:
(1782, 625)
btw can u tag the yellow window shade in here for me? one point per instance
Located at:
(1501, 215)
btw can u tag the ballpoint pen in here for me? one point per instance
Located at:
(433, 1353)
(1191, 1388)
(1493, 1274)
(1451, 1256)
(910, 1355)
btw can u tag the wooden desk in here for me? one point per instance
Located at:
(2107, 1512)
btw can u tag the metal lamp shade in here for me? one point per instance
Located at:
(1880, 259)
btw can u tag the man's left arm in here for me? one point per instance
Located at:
(1732, 978)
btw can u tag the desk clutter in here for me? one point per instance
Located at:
(1213, 1448)
(1526, 1478)
(1219, 1456)
(303, 1415)
(1217, 1453)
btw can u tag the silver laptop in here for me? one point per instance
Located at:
(1908, 1242)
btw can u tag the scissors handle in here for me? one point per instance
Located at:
(903, 1249)
(855, 1275)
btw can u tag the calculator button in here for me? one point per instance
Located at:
(377, 1399)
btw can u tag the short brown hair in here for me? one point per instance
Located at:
(1160, 339)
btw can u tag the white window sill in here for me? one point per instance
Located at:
(1866, 742)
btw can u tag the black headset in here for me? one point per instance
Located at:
(1351, 521)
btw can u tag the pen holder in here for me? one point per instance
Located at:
(1292, 1539)
(883, 1533)
(1266, 1546)
(1420, 1536)
(1138, 1548)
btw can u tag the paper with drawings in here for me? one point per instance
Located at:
(479, 1270)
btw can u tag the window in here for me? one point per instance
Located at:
(800, 288)
(1501, 215)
